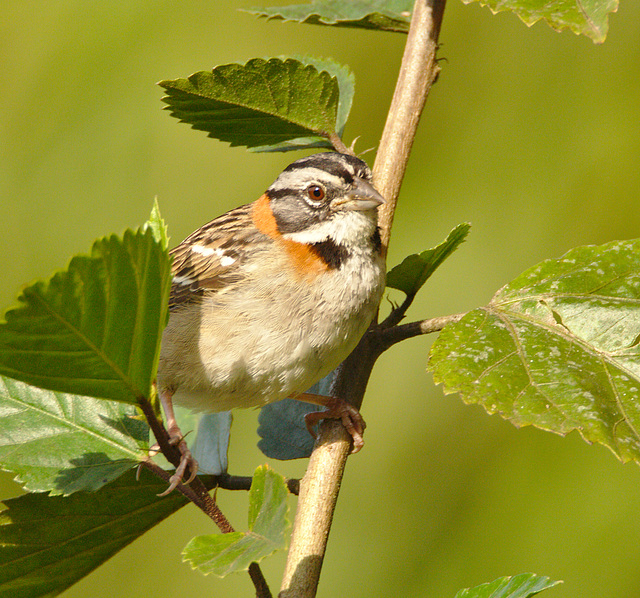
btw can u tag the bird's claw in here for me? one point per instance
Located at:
(187, 461)
(345, 412)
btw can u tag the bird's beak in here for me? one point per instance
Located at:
(362, 197)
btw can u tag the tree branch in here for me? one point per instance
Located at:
(195, 491)
(321, 483)
(391, 336)
(397, 313)
(418, 72)
(239, 482)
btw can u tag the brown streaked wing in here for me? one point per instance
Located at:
(211, 257)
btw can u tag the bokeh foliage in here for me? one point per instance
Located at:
(527, 202)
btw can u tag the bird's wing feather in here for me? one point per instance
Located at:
(212, 257)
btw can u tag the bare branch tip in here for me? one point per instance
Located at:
(338, 144)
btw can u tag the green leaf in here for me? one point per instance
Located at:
(583, 17)
(47, 543)
(558, 348)
(262, 103)
(158, 226)
(383, 15)
(346, 85)
(518, 586)
(95, 328)
(228, 553)
(64, 443)
(346, 89)
(415, 270)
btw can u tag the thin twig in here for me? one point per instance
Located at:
(397, 313)
(320, 485)
(196, 491)
(259, 582)
(198, 494)
(391, 336)
(239, 482)
(338, 144)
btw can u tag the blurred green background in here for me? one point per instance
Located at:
(531, 135)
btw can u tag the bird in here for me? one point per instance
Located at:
(272, 296)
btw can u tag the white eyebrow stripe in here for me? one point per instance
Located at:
(297, 179)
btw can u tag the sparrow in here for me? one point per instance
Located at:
(270, 297)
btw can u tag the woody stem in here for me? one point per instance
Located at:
(321, 484)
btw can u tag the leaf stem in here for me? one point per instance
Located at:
(338, 144)
(320, 486)
(395, 334)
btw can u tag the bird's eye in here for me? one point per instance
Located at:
(315, 192)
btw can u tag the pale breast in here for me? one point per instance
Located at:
(275, 337)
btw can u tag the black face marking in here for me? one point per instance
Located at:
(302, 195)
(376, 240)
(331, 253)
(280, 193)
(296, 215)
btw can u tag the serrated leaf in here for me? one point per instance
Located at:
(300, 143)
(415, 269)
(262, 103)
(518, 586)
(283, 431)
(47, 543)
(583, 17)
(557, 348)
(64, 443)
(93, 329)
(383, 15)
(222, 554)
(346, 87)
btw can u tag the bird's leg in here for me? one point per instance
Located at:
(176, 438)
(336, 409)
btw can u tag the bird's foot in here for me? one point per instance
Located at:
(176, 438)
(336, 409)
(187, 461)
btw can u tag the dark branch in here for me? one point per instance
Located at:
(196, 491)
(240, 482)
(198, 494)
(171, 452)
(397, 314)
(259, 582)
(391, 336)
